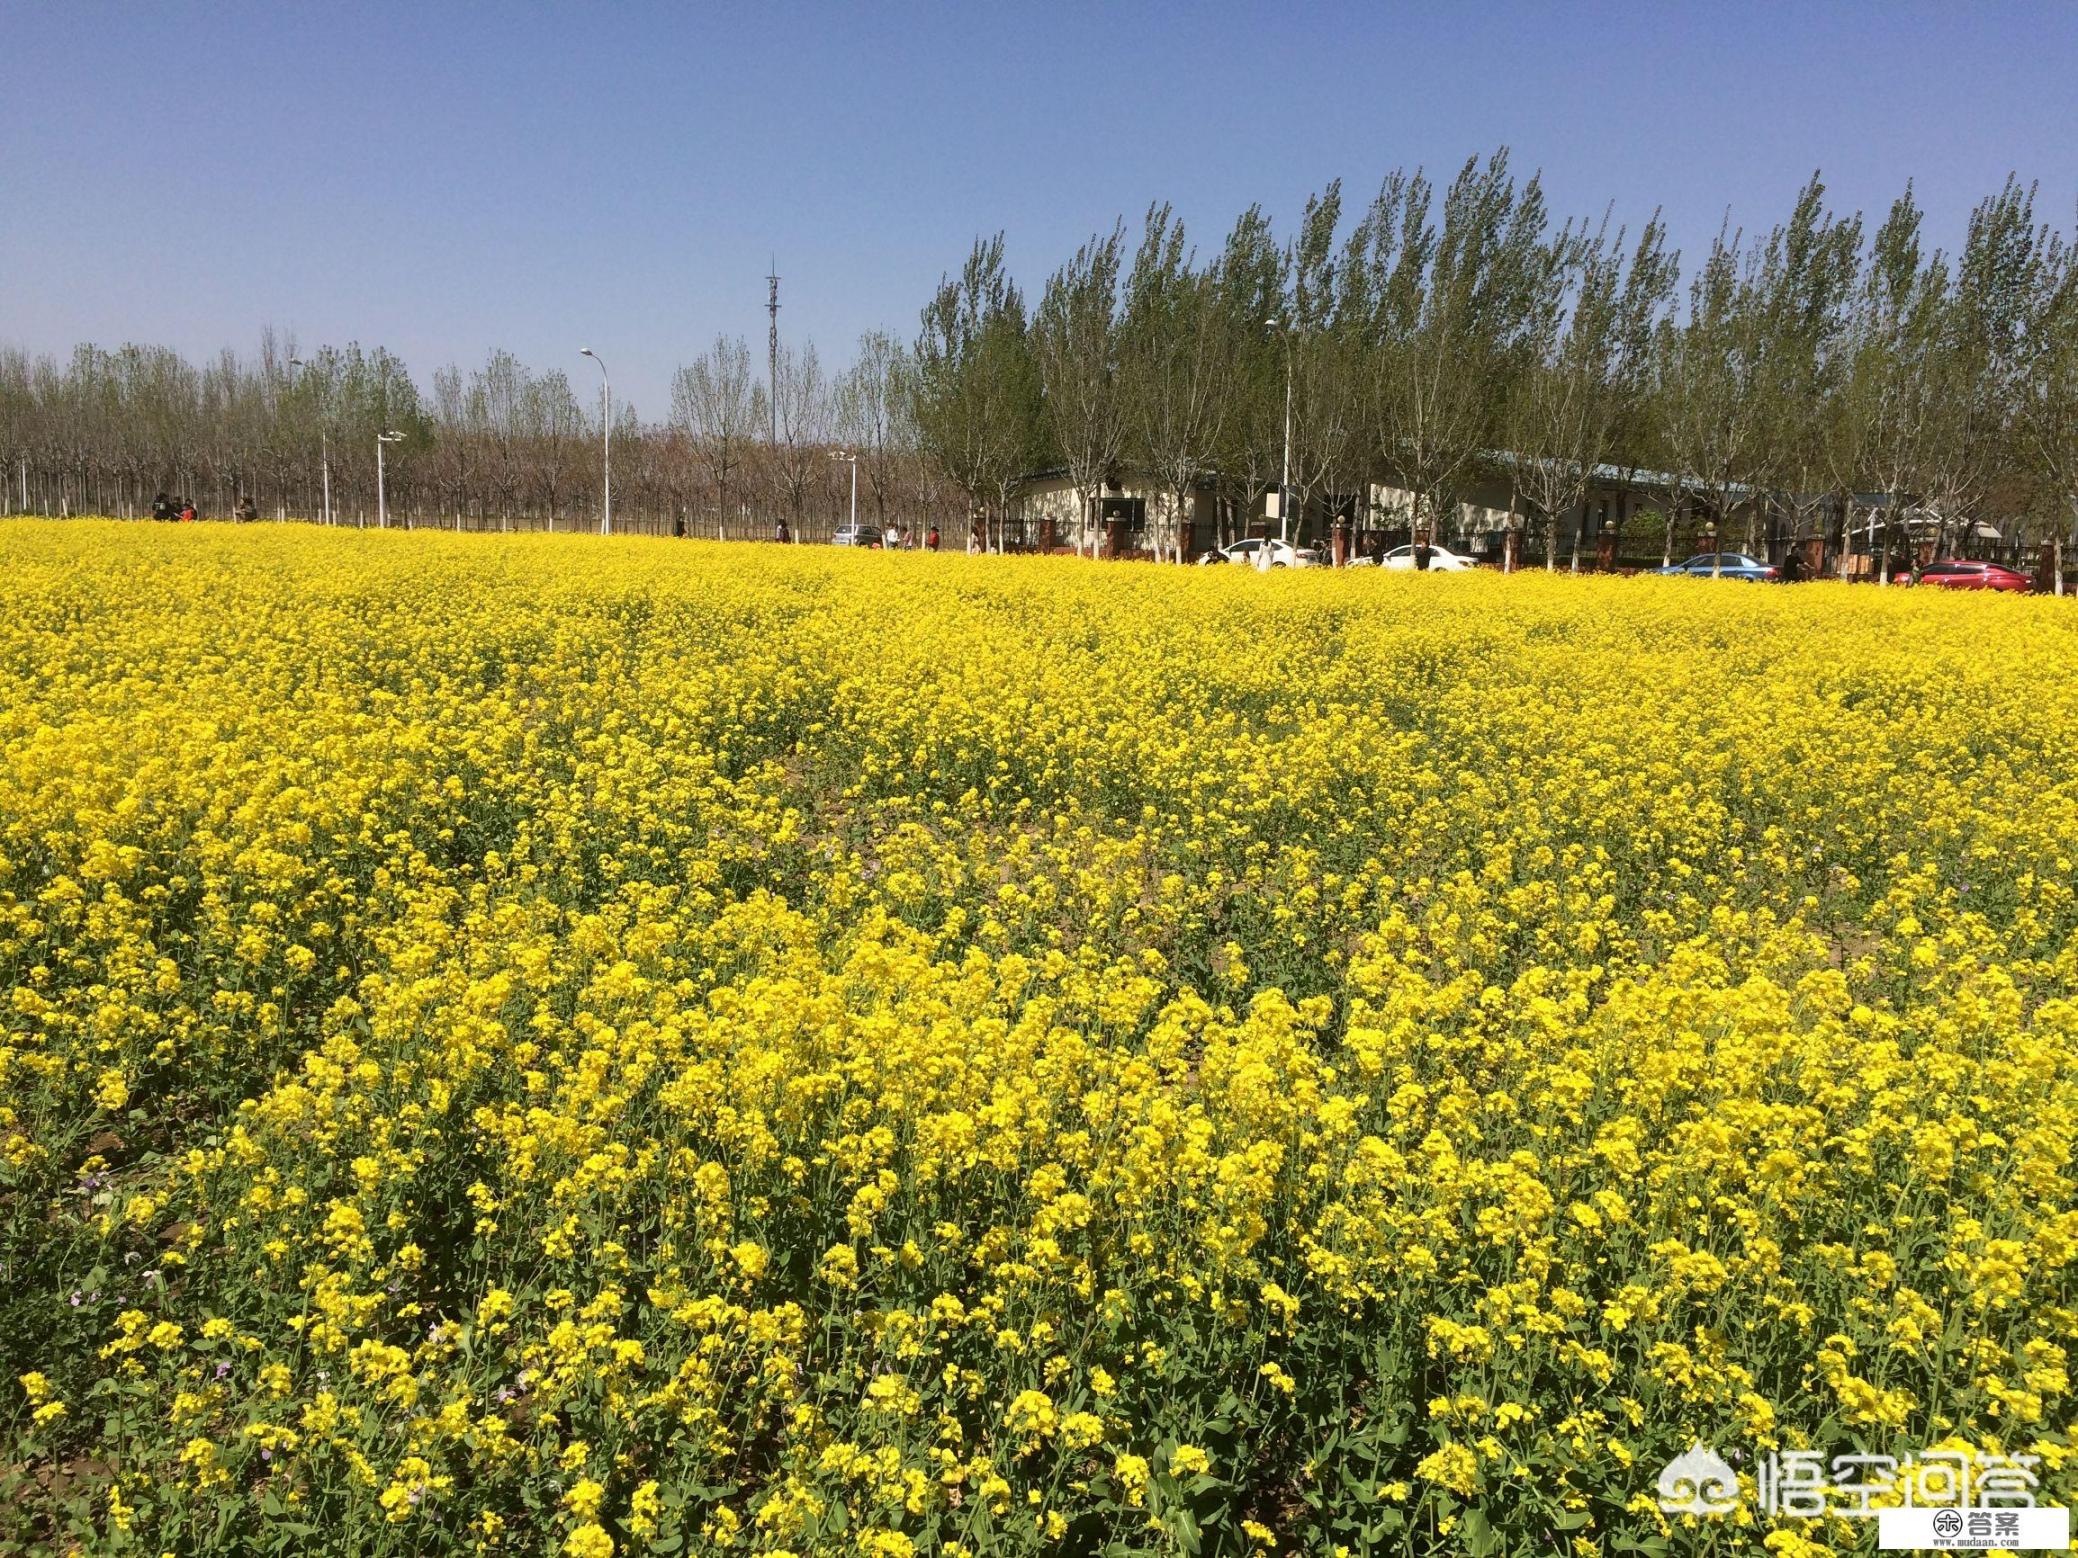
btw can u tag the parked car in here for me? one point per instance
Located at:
(856, 535)
(1725, 565)
(1440, 560)
(1956, 574)
(1282, 554)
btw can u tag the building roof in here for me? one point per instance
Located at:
(1606, 474)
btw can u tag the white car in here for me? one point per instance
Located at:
(1249, 554)
(1440, 561)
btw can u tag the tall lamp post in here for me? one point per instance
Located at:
(1284, 482)
(324, 445)
(606, 516)
(382, 512)
(851, 458)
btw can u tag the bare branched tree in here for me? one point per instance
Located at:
(873, 410)
(718, 402)
(801, 456)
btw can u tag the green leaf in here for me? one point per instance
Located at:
(1188, 1536)
(1655, 1546)
(1480, 1538)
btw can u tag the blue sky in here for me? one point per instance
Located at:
(445, 179)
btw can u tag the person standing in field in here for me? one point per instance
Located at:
(781, 534)
(187, 514)
(162, 508)
(931, 540)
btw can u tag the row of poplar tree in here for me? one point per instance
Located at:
(1782, 383)
(1430, 339)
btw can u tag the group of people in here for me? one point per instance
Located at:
(892, 539)
(896, 539)
(182, 510)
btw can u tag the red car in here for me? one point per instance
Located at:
(1955, 574)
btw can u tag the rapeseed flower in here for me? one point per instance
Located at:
(544, 1043)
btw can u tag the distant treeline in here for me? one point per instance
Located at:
(502, 446)
(1429, 339)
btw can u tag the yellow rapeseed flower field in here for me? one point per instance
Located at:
(541, 1044)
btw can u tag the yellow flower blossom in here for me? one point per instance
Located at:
(893, 1040)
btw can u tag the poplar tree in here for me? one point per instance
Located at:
(1486, 277)
(1886, 395)
(2048, 397)
(1325, 399)
(1075, 345)
(1710, 417)
(1802, 295)
(1564, 402)
(1252, 273)
(1173, 359)
(976, 388)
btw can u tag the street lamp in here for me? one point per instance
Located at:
(1284, 483)
(324, 444)
(382, 513)
(851, 458)
(606, 518)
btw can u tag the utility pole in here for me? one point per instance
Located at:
(772, 308)
(382, 508)
(1284, 481)
(324, 446)
(851, 458)
(606, 515)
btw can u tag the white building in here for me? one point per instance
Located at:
(1134, 515)
(1626, 510)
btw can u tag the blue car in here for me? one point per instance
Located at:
(1725, 565)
